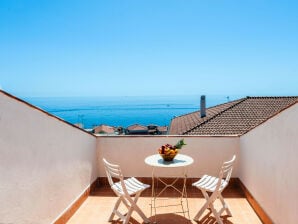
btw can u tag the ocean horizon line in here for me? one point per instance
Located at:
(124, 111)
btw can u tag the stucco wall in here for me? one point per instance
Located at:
(45, 164)
(269, 164)
(130, 151)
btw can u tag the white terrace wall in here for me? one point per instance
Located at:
(45, 164)
(269, 165)
(130, 151)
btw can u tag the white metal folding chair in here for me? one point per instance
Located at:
(127, 190)
(215, 185)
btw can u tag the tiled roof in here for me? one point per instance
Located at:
(135, 127)
(104, 128)
(162, 128)
(232, 118)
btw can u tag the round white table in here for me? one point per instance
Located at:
(180, 161)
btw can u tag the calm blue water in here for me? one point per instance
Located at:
(122, 111)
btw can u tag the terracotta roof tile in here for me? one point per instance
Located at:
(135, 127)
(232, 118)
(104, 129)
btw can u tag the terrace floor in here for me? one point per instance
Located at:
(98, 206)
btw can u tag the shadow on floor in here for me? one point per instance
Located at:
(208, 219)
(169, 218)
(166, 218)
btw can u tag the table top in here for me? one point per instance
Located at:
(180, 160)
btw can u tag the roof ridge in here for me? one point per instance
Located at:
(221, 112)
(262, 97)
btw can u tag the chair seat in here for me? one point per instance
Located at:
(209, 183)
(133, 186)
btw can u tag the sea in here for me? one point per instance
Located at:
(123, 111)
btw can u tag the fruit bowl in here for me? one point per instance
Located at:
(169, 157)
(168, 151)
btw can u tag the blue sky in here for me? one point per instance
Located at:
(148, 47)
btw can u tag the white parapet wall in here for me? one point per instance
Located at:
(45, 164)
(130, 151)
(269, 164)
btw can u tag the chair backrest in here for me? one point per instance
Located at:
(226, 170)
(112, 171)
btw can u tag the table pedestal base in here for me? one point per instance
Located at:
(169, 185)
(163, 196)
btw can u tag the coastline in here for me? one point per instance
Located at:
(123, 111)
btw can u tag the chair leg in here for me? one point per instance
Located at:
(127, 216)
(131, 206)
(205, 206)
(216, 214)
(209, 203)
(137, 208)
(225, 205)
(115, 209)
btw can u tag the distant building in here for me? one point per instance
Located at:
(163, 130)
(120, 130)
(104, 129)
(137, 129)
(153, 129)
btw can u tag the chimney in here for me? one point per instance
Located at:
(203, 106)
